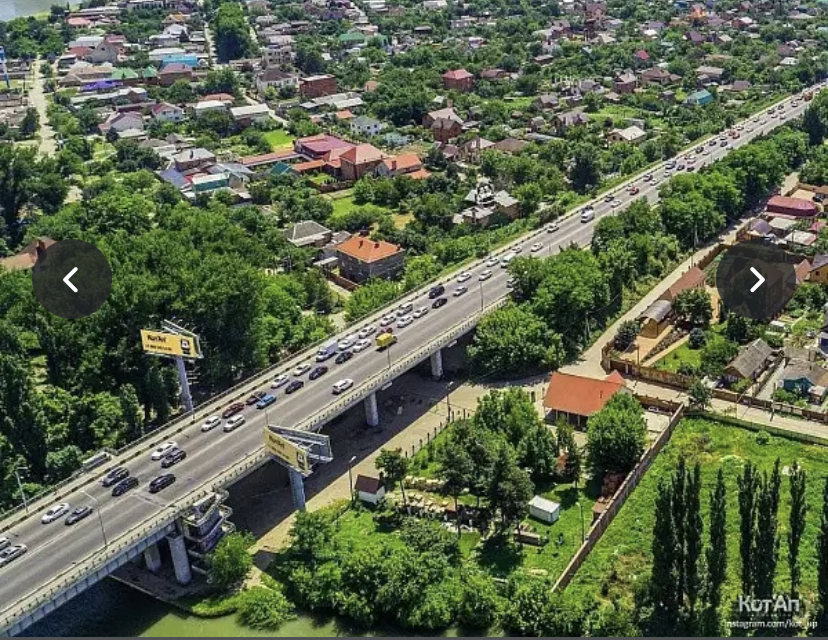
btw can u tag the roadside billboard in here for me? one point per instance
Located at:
(161, 343)
(286, 451)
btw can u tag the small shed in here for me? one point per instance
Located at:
(369, 489)
(655, 318)
(544, 509)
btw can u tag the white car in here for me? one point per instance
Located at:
(405, 308)
(4, 542)
(279, 381)
(361, 345)
(211, 423)
(517, 248)
(492, 262)
(387, 320)
(343, 385)
(367, 332)
(459, 291)
(615, 203)
(464, 276)
(163, 450)
(12, 553)
(536, 247)
(552, 227)
(485, 275)
(55, 512)
(234, 422)
(608, 197)
(404, 321)
(419, 313)
(347, 342)
(301, 370)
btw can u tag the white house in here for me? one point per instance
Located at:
(368, 489)
(251, 113)
(365, 126)
(544, 510)
(166, 112)
(631, 135)
(277, 79)
(205, 106)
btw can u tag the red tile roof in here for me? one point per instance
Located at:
(802, 270)
(323, 143)
(310, 165)
(578, 395)
(367, 250)
(690, 280)
(402, 162)
(267, 158)
(419, 174)
(792, 206)
(457, 74)
(362, 154)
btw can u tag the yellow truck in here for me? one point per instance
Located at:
(385, 340)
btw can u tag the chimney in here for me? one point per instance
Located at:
(376, 245)
(361, 242)
(40, 249)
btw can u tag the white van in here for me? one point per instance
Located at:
(505, 260)
(234, 422)
(587, 214)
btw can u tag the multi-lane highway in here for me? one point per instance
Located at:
(54, 548)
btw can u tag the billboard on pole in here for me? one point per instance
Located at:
(161, 343)
(288, 452)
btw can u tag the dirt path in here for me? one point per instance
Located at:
(37, 99)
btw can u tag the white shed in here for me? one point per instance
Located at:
(544, 509)
(368, 489)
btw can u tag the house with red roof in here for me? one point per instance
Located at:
(166, 112)
(320, 146)
(360, 160)
(693, 279)
(403, 164)
(458, 80)
(575, 398)
(361, 259)
(794, 207)
(174, 71)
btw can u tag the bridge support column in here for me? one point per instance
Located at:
(297, 488)
(371, 411)
(437, 364)
(181, 561)
(152, 558)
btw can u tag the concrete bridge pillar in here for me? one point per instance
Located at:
(371, 411)
(297, 488)
(181, 561)
(152, 558)
(437, 364)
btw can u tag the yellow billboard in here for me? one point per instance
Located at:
(161, 343)
(286, 451)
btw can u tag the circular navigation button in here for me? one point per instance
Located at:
(756, 280)
(72, 279)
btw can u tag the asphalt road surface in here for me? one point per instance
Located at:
(55, 547)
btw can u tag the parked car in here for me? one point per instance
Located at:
(344, 357)
(279, 381)
(232, 410)
(211, 423)
(318, 372)
(342, 385)
(267, 400)
(77, 515)
(115, 475)
(125, 485)
(54, 512)
(439, 302)
(234, 423)
(163, 449)
(255, 397)
(173, 457)
(161, 482)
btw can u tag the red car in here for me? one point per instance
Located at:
(634, 191)
(232, 410)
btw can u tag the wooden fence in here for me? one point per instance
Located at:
(600, 525)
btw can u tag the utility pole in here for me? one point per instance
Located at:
(100, 518)
(583, 528)
(20, 486)
(351, 478)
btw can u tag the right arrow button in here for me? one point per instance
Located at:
(760, 278)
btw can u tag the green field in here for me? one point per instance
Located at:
(683, 354)
(622, 557)
(279, 139)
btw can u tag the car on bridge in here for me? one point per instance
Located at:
(173, 457)
(4, 542)
(294, 385)
(267, 400)
(255, 398)
(124, 485)
(485, 274)
(464, 276)
(536, 247)
(301, 370)
(419, 313)
(115, 475)
(54, 512)
(233, 423)
(404, 321)
(439, 302)
(361, 345)
(164, 449)
(232, 410)
(492, 262)
(405, 308)
(388, 320)
(344, 357)
(211, 423)
(459, 291)
(279, 381)
(342, 385)
(366, 332)
(318, 372)
(12, 553)
(552, 227)
(436, 291)
(77, 515)
(347, 342)
(161, 482)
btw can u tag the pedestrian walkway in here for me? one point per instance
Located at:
(37, 99)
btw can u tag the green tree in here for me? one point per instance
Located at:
(538, 452)
(264, 609)
(480, 603)
(510, 489)
(716, 355)
(616, 435)
(626, 334)
(510, 413)
(232, 34)
(766, 542)
(716, 553)
(394, 466)
(822, 563)
(699, 394)
(796, 524)
(693, 307)
(371, 296)
(694, 529)
(664, 577)
(230, 561)
(181, 92)
(748, 483)
(455, 470)
(586, 171)
(738, 328)
(29, 124)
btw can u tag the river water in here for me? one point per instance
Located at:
(15, 8)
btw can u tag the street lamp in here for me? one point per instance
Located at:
(17, 471)
(583, 529)
(448, 401)
(100, 518)
(481, 295)
(388, 351)
(350, 477)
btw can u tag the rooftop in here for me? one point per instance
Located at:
(367, 250)
(578, 395)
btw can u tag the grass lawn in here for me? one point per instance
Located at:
(683, 354)
(623, 555)
(279, 139)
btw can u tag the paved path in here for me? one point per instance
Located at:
(37, 99)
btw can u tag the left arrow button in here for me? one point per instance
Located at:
(69, 275)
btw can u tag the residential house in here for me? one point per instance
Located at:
(308, 233)
(575, 398)
(544, 509)
(492, 75)
(486, 203)
(693, 279)
(750, 363)
(806, 379)
(819, 269)
(361, 258)
(321, 146)
(403, 164)
(250, 113)
(369, 489)
(205, 106)
(193, 159)
(445, 129)
(107, 50)
(655, 318)
(166, 112)
(366, 126)
(511, 146)
(630, 135)
(458, 80)
(471, 150)
(624, 82)
(27, 257)
(121, 122)
(546, 101)
(317, 86)
(699, 98)
(658, 76)
(174, 71)
(713, 73)
(360, 160)
(564, 121)
(276, 78)
(794, 207)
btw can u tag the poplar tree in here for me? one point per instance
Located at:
(766, 545)
(796, 527)
(694, 528)
(822, 562)
(747, 483)
(680, 524)
(664, 581)
(717, 548)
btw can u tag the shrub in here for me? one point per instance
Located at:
(263, 609)
(697, 339)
